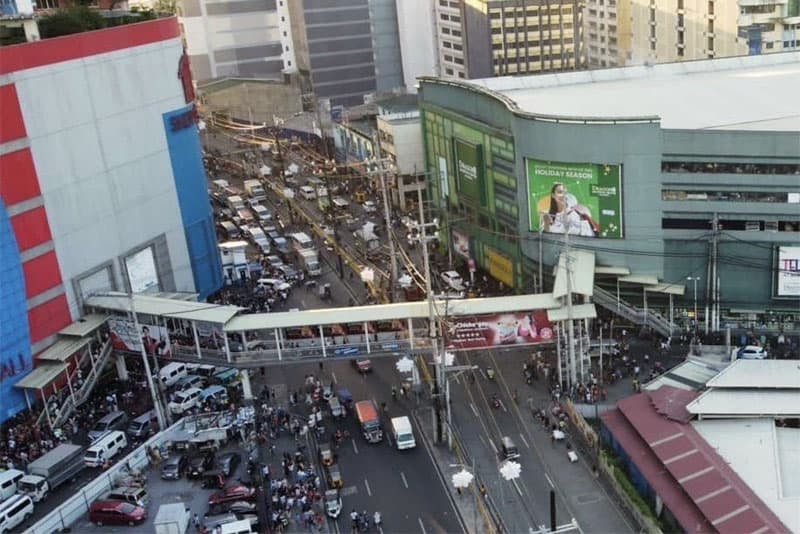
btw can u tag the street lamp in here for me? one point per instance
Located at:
(694, 279)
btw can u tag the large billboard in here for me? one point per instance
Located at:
(788, 272)
(125, 337)
(584, 199)
(469, 169)
(524, 328)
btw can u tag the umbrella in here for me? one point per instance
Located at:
(462, 479)
(510, 470)
(405, 365)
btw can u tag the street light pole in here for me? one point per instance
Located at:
(695, 280)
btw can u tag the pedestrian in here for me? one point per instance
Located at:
(196, 522)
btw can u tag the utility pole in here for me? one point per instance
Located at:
(387, 217)
(715, 280)
(438, 360)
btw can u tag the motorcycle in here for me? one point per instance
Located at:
(490, 373)
(495, 402)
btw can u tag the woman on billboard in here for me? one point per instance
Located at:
(566, 214)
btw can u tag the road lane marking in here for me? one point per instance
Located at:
(403, 476)
(355, 448)
(549, 481)
(503, 405)
(517, 486)
(333, 377)
(524, 440)
(474, 410)
(336, 527)
(494, 447)
(457, 380)
(369, 491)
(421, 525)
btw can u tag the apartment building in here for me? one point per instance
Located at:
(633, 32)
(242, 38)
(482, 38)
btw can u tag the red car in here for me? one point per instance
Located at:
(109, 512)
(239, 492)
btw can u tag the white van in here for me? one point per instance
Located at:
(403, 433)
(243, 526)
(340, 203)
(185, 400)
(8, 483)
(308, 193)
(106, 447)
(171, 373)
(15, 511)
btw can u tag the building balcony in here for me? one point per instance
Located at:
(751, 19)
(752, 3)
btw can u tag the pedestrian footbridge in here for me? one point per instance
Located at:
(207, 333)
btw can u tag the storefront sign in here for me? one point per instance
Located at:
(788, 272)
(500, 267)
(460, 244)
(523, 328)
(468, 168)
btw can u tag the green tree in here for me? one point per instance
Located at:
(74, 19)
(166, 7)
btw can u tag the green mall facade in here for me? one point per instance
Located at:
(663, 210)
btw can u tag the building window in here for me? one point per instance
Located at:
(457, 46)
(448, 58)
(458, 61)
(447, 44)
(443, 16)
(449, 72)
(460, 74)
(456, 33)
(455, 18)
(770, 45)
(446, 31)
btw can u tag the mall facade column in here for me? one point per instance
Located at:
(322, 341)
(278, 343)
(247, 390)
(227, 346)
(366, 336)
(410, 333)
(196, 340)
(122, 368)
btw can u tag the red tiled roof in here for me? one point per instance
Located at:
(712, 487)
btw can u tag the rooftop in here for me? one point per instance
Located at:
(752, 374)
(765, 457)
(739, 93)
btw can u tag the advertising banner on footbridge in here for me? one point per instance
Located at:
(521, 328)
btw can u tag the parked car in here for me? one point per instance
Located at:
(274, 261)
(106, 512)
(174, 467)
(288, 272)
(190, 381)
(200, 464)
(239, 492)
(453, 280)
(235, 507)
(227, 462)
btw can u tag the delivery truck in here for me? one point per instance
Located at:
(172, 519)
(255, 190)
(308, 260)
(51, 470)
(403, 433)
(370, 423)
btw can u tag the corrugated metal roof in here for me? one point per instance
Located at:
(689, 375)
(747, 403)
(62, 349)
(85, 325)
(723, 498)
(42, 376)
(759, 374)
(166, 307)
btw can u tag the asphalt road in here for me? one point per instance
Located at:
(402, 485)
(525, 502)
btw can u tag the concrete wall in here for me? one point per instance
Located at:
(418, 43)
(102, 159)
(407, 143)
(261, 98)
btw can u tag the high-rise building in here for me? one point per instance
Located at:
(634, 32)
(242, 38)
(416, 25)
(483, 38)
(350, 48)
